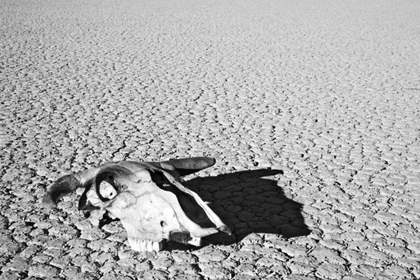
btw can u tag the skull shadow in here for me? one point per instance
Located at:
(248, 203)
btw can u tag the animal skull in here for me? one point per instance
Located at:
(147, 197)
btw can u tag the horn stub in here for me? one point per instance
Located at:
(64, 185)
(186, 166)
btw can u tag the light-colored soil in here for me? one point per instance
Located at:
(324, 93)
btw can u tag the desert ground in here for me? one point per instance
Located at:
(311, 109)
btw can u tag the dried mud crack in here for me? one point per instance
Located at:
(311, 109)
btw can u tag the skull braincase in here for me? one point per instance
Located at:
(152, 206)
(148, 217)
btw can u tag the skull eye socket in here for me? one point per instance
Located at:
(106, 187)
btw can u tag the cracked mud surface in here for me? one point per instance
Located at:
(311, 110)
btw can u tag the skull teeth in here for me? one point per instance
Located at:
(145, 245)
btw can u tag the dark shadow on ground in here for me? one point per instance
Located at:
(248, 203)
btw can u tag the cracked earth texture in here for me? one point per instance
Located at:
(311, 109)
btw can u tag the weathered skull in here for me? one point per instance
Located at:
(147, 197)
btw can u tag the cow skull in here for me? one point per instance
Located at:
(147, 197)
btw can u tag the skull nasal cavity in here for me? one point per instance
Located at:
(163, 224)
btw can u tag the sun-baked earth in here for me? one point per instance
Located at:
(311, 109)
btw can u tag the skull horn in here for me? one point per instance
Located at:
(187, 166)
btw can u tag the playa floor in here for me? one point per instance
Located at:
(311, 109)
